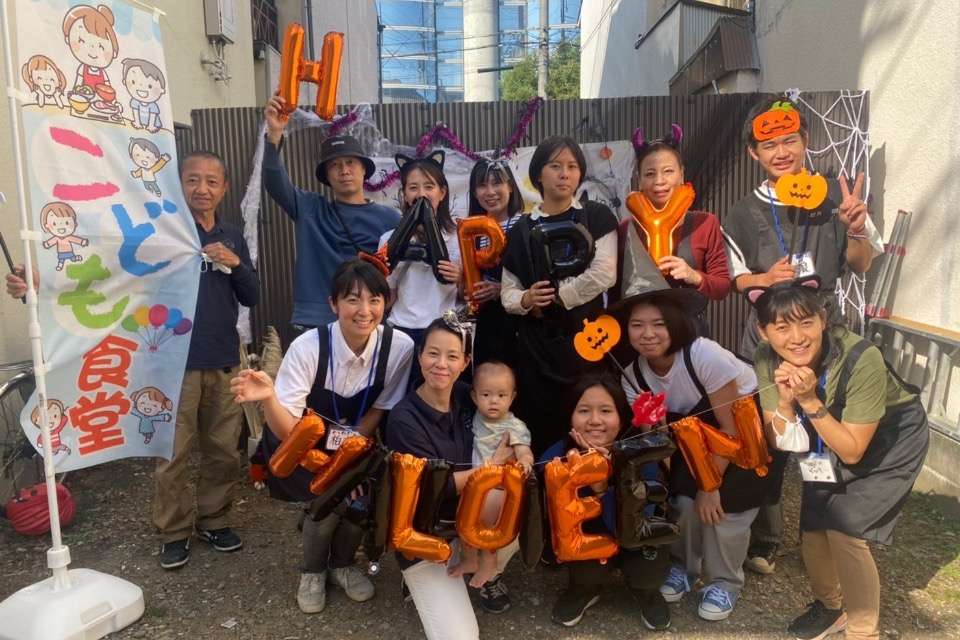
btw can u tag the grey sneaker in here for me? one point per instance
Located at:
(351, 579)
(312, 592)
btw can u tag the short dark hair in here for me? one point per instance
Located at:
(679, 325)
(435, 171)
(354, 275)
(204, 154)
(496, 171)
(547, 151)
(439, 324)
(765, 104)
(788, 301)
(609, 383)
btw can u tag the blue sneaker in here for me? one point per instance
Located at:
(676, 584)
(716, 603)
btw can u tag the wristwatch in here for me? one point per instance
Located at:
(819, 413)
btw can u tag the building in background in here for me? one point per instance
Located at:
(456, 50)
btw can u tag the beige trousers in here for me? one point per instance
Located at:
(209, 418)
(842, 573)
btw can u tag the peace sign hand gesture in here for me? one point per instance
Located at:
(853, 210)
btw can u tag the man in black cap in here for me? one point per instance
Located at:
(327, 231)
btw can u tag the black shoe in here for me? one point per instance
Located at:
(762, 558)
(572, 604)
(221, 539)
(174, 555)
(654, 611)
(494, 597)
(817, 622)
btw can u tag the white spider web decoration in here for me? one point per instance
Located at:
(847, 153)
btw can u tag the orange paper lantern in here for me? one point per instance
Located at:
(469, 230)
(568, 511)
(658, 226)
(406, 470)
(470, 526)
(325, 72)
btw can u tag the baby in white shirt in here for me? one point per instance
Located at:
(494, 390)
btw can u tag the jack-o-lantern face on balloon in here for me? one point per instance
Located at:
(779, 120)
(802, 190)
(597, 338)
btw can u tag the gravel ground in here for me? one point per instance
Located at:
(250, 594)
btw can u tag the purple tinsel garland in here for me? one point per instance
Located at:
(337, 125)
(444, 133)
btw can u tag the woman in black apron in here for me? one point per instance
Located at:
(350, 372)
(862, 436)
(552, 309)
(702, 379)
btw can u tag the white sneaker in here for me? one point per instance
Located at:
(312, 592)
(351, 579)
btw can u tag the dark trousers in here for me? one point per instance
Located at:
(768, 527)
(330, 542)
(643, 569)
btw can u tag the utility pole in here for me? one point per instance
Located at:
(544, 48)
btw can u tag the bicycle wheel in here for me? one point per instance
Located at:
(18, 459)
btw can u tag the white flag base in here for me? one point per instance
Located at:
(93, 605)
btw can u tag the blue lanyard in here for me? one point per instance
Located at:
(779, 229)
(333, 378)
(822, 384)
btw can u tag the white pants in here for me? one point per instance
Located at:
(442, 601)
(713, 552)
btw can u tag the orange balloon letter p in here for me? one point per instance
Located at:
(469, 230)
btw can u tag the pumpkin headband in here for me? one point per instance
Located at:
(672, 139)
(780, 119)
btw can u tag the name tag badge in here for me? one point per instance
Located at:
(336, 437)
(816, 467)
(804, 264)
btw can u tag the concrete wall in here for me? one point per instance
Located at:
(905, 53)
(191, 87)
(609, 65)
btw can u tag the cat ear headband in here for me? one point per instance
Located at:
(755, 294)
(436, 157)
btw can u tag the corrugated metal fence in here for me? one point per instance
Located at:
(715, 159)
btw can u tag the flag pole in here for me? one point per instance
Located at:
(58, 556)
(79, 603)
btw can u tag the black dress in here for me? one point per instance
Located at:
(547, 362)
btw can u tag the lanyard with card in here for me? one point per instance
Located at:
(802, 260)
(338, 433)
(816, 466)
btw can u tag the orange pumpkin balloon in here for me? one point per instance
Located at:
(343, 458)
(802, 190)
(406, 470)
(481, 482)
(658, 226)
(298, 447)
(568, 511)
(469, 230)
(325, 72)
(779, 120)
(753, 452)
(597, 338)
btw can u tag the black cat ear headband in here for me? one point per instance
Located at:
(672, 139)
(754, 294)
(436, 157)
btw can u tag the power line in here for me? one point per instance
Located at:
(603, 17)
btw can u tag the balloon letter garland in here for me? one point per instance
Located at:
(406, 470)
(297, 449)
(802, 190)
(568, 511)
(698, 440)
(469, 230)
(638, 494)
(658, 226)
(399, 247)
(481, 482)
(325, 72)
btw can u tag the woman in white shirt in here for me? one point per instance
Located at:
(699, 377)
(350, 372)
